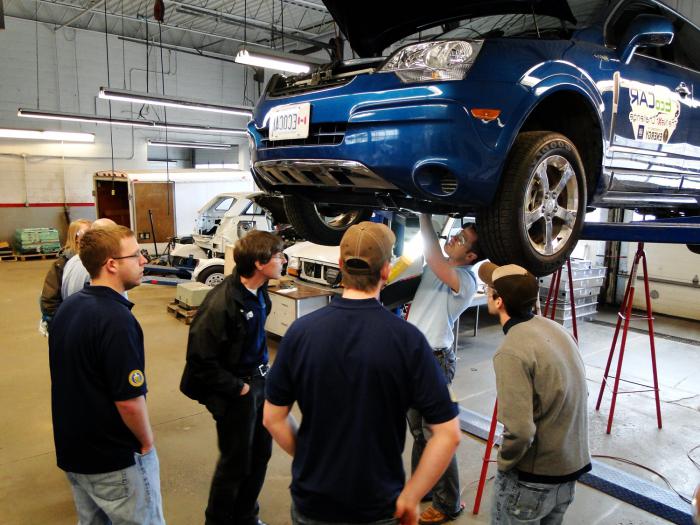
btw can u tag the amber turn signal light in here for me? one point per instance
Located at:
(486, 114)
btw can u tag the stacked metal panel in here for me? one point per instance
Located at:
(587, 281)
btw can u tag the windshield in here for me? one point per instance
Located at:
(513, 25)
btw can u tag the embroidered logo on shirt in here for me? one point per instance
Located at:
(136, 378)
(249, 315)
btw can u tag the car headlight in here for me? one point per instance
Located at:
(439, 60)
(293, 263)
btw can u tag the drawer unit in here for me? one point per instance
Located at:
(288, 304)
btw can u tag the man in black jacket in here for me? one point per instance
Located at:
(226, 366)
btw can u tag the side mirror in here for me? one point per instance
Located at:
(645, 31)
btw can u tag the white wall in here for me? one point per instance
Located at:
(72, 68)
(674, 272)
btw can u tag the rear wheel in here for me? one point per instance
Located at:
(537, 214)
(322, 224)
(211, 276)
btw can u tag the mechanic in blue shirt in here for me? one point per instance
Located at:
(102, 432)
(446, 290)
(354, 368)
(225, 371)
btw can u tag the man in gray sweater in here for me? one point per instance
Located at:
(542, 394)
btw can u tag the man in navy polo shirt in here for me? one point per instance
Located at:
(225, 371)
(354, 368)
(102, 433)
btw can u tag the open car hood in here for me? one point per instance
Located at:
(371, 26)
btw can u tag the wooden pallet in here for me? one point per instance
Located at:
(8, 257)
(31, 256)
(177, 310)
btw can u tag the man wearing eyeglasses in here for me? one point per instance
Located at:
(102, 432)
(446, 290)
(226, 366)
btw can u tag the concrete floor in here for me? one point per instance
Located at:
(34, 491)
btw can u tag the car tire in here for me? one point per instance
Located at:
(537, 214)
(318, 227)
(695, 248)
(211, 276)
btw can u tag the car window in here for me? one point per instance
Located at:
(254, 209)
(685, 48)
(225, 204)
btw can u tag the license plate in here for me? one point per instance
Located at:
(289, 122)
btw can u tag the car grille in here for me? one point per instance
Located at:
(312, 270)
(320, 173)
(329, 134)
(282, 90)
(448, 184)
(320, 273)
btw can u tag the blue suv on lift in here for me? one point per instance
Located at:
(524, 112)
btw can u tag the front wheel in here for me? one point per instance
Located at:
(537, 214)
(211, 276)
(322, 224)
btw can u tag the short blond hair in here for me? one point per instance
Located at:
(99, 244)
(72, 238)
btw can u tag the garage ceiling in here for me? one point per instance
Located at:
(211, 27)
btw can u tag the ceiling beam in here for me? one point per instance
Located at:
(258, 24)
(94, 5)
(141, 21)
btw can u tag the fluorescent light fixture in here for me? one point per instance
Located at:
(193, 128)
(175, 102)
(192, 145)
(269, 59)
(75, 117)
(62, 136)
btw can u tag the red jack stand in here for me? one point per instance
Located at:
(486, 460)
(626, 314)
(554, 286)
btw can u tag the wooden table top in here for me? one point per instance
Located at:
(300, 291)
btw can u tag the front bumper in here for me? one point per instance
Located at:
(415, 146)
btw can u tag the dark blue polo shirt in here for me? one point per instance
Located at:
(354, 368)
(96, 358)
(254, 350)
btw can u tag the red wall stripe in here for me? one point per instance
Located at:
(44, 204)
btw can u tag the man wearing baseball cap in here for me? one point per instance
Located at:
(354, 368)
(541, 388)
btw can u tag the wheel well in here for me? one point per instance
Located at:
(571, 114)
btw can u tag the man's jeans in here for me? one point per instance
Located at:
(446, 490)
(130, 496)
(298, 519)
(517, 502)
